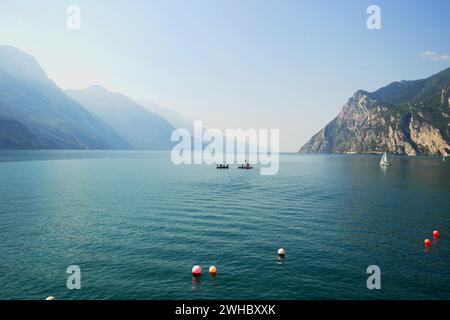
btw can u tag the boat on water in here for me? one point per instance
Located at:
(245, 167)
(384, 160)
(222, 166)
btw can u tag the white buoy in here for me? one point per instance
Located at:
(281, 252)
(50, 298)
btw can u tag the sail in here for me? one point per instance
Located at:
(384, 160)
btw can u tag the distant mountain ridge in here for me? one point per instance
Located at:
(21, 65)
(174, 118)
(406, 117)
(140, 127)
(35, 112)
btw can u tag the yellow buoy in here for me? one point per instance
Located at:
(212, 270)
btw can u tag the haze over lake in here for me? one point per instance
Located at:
(136, 224)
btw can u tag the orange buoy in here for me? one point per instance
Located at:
(196, 270)
(212, 270)
(427, 242)
(436, 234)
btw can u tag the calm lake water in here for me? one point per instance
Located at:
(136, 224)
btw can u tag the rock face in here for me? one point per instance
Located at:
(406, 117)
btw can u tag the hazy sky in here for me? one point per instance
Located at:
(235, 63)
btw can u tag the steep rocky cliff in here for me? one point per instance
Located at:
(406, 117)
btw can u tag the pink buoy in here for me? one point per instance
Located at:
(196, 270)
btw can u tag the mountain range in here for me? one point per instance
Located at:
(36, 114)
(174, 118)
(405, 117)
(143, 129)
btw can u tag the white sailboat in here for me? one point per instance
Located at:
(384, 160)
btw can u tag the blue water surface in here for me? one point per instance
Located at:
(136, 224)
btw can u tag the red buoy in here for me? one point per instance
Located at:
(427, 242)
(436, 234)
(196, 270)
